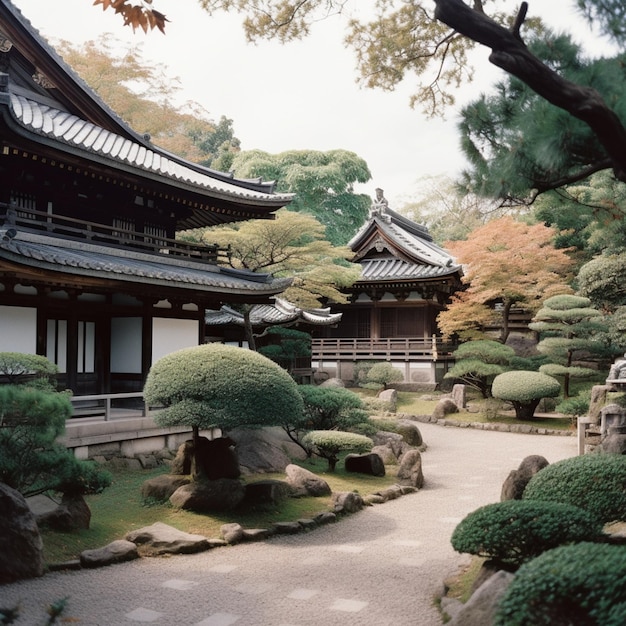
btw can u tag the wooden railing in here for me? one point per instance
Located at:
(362, 349)
(71, 228)
(101, 404)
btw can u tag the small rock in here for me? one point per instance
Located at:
(115, 552)
(232, 533)
(347, 502)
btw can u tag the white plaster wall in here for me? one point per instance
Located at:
(18, 329)
(170, 335)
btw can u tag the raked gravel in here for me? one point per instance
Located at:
(382, 566)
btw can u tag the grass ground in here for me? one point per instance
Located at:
(120, 508)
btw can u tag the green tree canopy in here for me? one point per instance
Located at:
(293, 245)
(517, 142)
(323, 184)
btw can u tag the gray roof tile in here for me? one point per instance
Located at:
(102, 261)
(60, 125)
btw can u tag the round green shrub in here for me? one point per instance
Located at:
(594, 482)
(524, 386)
(581, 584)
(329, 443)
(330, 407)
(524, 389)
(218, 385)
(515, 531)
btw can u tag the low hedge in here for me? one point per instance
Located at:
(581, 584)
(515, 531)
(594, 482)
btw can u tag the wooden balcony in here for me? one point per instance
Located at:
(91, 232)
(352, 349)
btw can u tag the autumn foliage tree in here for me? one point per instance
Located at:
(143, 95)
(507, 263)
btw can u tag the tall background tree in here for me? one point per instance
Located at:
(323, 184)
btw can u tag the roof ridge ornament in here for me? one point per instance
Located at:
(380, 205)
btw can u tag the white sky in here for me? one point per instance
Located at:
(301, 95)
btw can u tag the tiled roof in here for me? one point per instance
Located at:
(53, 123)
(389, 246)
(282, 312)
(79, 258)
(398, 269)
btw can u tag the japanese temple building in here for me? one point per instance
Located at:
(91, 273)
(405, 282)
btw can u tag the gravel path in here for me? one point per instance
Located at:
(379, 567)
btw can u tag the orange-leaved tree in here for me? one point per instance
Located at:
(506, 263)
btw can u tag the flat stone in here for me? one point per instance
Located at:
(164, 539)
(115, 552)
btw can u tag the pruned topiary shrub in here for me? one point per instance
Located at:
(581, 584)
(515, 531)
(594, 482)
(329, 443)
(223, 386)
(524, 390)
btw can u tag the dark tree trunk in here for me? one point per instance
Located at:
(197, 471)
(509, 52)
(525, 410)
(248, 327)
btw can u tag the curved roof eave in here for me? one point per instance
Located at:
(146, 164)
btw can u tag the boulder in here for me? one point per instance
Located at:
(305, 483)
(444, 407)
(410, 470)
(515, 483)
(115, 552)
(266, 492)
(347, 502)
(370, 464)
(597, 401)
(459, 395)
(181, 465)
(161, 538)
(209, 496)
(410, 433)
(386, 453)
(481, 608)
(394, 440)
(21, 548)
(160, 488)
(265, 449)
(71, 513)
(218, 458)
(390, 397)
(78, 509)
